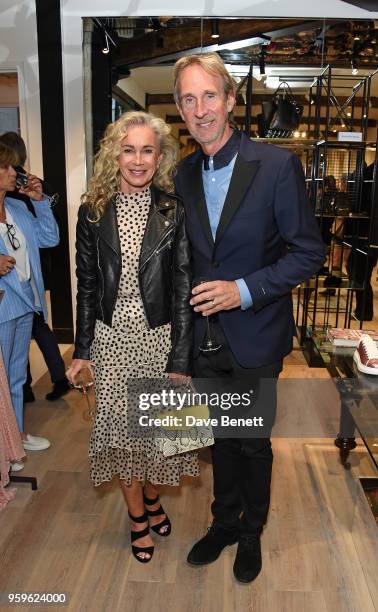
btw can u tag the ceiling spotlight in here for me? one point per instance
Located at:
(349, 114)
(343, 125)
(214, 28)
(106, 49)
(296, 134)
(107, 36)
(356, 37)
(310, 98)
(304, 134)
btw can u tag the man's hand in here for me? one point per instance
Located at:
(33, 189)
(215, 296)
(6, 264)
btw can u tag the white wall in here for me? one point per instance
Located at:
(18, 52)
(134, 90)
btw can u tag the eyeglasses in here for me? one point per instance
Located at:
(11, 232)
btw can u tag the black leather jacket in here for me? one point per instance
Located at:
(164, 275)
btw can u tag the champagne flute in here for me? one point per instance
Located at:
(209, 344)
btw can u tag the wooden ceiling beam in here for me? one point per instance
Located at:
(161, 46)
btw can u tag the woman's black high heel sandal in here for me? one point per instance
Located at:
(165, 523)
(135, 535)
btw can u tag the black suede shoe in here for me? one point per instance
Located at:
(61, 387)
(28, 395)
(211, 545)
(248, 562)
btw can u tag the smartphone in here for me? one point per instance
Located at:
(21, 179)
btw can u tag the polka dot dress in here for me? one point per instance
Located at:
(130, 350)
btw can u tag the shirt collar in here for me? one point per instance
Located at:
(223, 157)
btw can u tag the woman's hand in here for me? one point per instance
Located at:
(33, 189)
(6, 264)
(179, 377)
(76, 366)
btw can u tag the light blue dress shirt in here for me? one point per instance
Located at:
(215, 185)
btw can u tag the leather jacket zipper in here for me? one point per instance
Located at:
(156, 249)
(102, 278)
(166, 246)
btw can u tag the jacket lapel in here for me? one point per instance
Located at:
(20, 216)
(194, 187)
(108, 228)
(242, 177)
(11, 280)
(158, 224)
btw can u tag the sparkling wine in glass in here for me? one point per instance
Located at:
(209, 344)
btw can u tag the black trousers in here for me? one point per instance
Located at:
(242, 466)
(47, 344)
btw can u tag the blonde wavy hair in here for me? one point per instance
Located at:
(105, 181)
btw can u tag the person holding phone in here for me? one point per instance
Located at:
(21, 237)
(41, 332)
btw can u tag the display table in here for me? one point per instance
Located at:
(358, 393)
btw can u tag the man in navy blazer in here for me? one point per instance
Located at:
(254, 237)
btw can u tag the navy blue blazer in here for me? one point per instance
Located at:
(267, 234)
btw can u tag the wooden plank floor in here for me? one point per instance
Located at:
(320, 546)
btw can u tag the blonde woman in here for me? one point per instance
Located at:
(133, 314)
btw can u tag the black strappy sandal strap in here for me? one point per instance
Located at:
(150, 502)
(138, 549)
(157, 512)
(165, 523)
(160, 511)
(139, 519)
(136, 535)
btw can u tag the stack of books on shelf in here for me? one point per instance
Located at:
(340, 336)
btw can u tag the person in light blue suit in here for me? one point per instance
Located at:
(21, 237)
